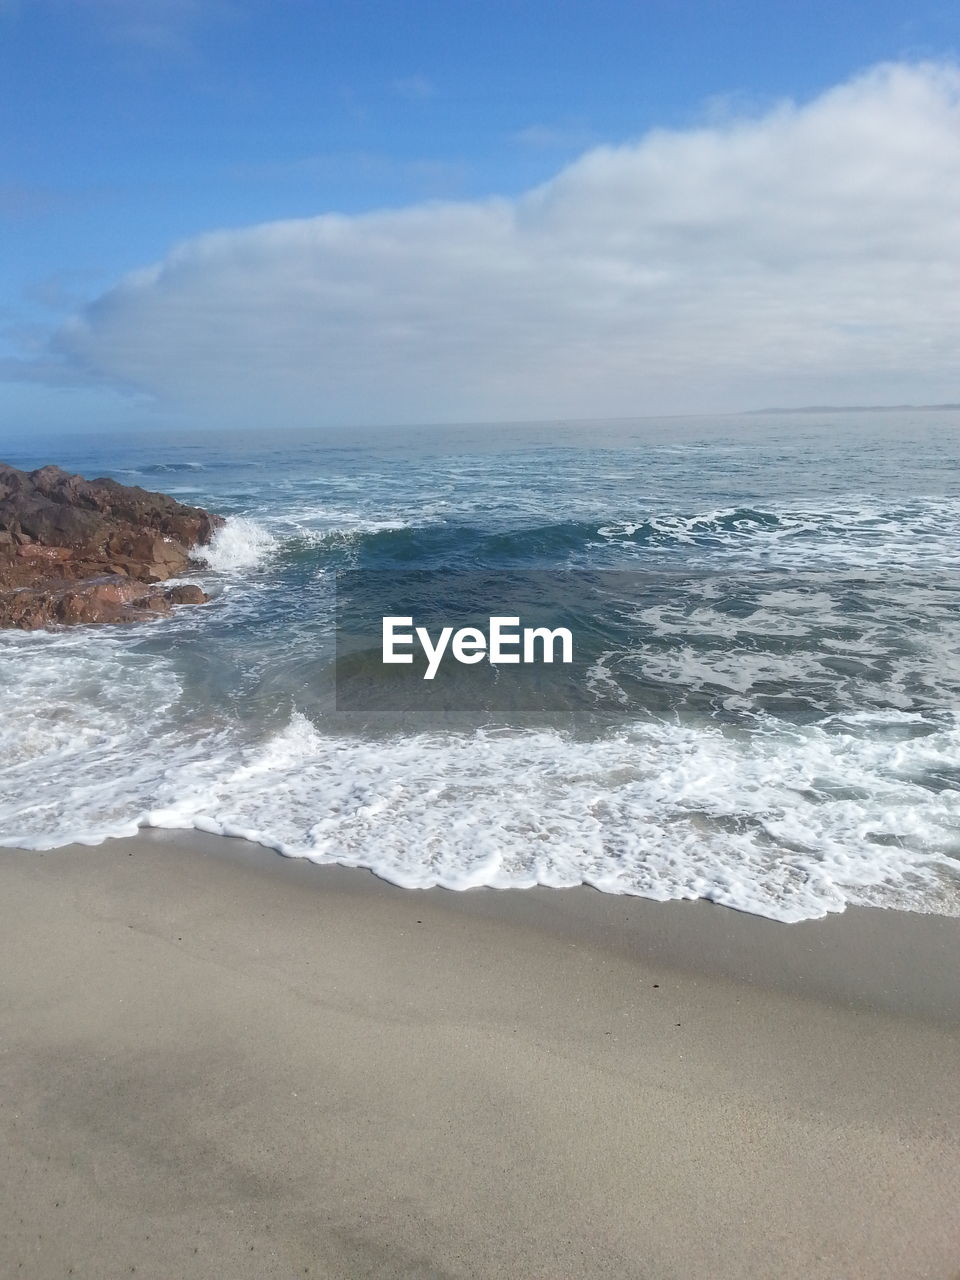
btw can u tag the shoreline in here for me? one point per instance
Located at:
(220, 1061)
(878, 958)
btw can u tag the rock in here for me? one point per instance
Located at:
(186, 593)
(75, 550)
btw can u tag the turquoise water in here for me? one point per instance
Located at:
(766, 713)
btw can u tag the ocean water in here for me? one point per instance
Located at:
(769, 717)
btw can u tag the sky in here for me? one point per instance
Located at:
(260, 213)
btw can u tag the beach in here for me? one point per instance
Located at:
(219, 1062)
(479, 641)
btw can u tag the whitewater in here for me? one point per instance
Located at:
(769, 717)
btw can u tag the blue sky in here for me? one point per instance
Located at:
(130, 126)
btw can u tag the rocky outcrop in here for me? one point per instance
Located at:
(75, 550)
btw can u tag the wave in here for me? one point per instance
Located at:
(240, 544)
(921, 521)
(189, 724)
(158, 468)
(914, 534)
(689, 528)
(790, 825)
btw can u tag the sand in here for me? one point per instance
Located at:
(215, 1062)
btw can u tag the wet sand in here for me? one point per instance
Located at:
(215, 1062)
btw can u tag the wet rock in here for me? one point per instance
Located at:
(186, 593)
(75, 550)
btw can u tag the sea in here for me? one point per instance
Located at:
(766, 712)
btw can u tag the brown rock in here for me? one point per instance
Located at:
(75, 550)
(34, 551)
(186, 593)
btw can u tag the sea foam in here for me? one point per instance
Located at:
(239, 544)
(787, 823)
(812, 762)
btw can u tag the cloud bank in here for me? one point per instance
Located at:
(808, 254)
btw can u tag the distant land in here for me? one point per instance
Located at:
(852, 408)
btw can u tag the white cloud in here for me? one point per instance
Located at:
(811, 253)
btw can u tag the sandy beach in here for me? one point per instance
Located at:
(479, 641)
(217, 1062)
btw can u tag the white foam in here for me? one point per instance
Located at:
(787, 824)
(97, 727)
(848, 535)
(790, 823)
(239, 544)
